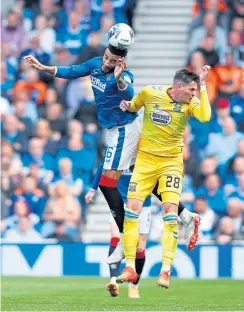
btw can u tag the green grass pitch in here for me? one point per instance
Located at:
(89, 294)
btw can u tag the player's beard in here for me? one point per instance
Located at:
(107, 70)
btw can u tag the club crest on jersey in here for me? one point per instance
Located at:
(132, 186)
(161, 117)
(177, 107)
(156, 106)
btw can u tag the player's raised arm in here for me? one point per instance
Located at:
(203, 111)
(123, 80)
(67, 72)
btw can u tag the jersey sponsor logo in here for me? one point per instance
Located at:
(96, 83)
(161, 117)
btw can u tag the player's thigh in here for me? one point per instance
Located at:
(122, 145)
(171, 181)
(144, 177)
(145, 220)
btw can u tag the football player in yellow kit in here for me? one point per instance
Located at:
(167, 110)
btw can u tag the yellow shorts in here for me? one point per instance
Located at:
(150, 169)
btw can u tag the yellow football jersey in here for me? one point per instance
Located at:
(164, 120)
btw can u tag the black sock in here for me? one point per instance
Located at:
(140, 261)
(109, 189)
(181, 206)
(113, 268)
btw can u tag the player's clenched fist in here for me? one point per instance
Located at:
(124, 105)
(33, 62)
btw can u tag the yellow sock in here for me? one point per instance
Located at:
(169, 239)
(130, 236)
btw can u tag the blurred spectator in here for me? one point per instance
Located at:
(30, 110)
(236, 10)
(11, 177)
(37, 156)
(25, 123)
(21, 209)
(200, 8)
(62, 56)
(197, 61)
(6, 84)
(24, 233)
(43, 132)
(209, 28)
(34, 197)
(62, 208)
(106, 23)
(235, 212)
(236, 48)
(225, 233)
(73, 37)
(84, 12)
(60, 233)
(214, 194)
(238, 25)
(209, 52)
(51, 98)
(235, 168)
(224, 145)
(13, 135)
(66, 174)
(238, 192)
(208, 218)
(230, 77)
(222, 112)
(55, 16)
(93, 49)
(100, 8)
(36, 50)
(56, 120)
(4, 107)
(82, 155)
(33, 85)
(46, 34)
(208, 167)
(237, 108)
(13, 34)
(80, 100)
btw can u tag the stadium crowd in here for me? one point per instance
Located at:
(52, 143)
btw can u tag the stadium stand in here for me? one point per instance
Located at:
(52, 143)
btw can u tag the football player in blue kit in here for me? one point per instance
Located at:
(144, 228)
(111, 83)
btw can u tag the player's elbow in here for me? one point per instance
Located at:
(205, 118)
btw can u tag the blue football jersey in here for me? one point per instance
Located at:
(107, 94)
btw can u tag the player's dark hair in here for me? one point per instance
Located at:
(117, 51)
(185, 76)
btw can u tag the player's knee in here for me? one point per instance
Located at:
(112, 174)
(169, 207)
(134, 204)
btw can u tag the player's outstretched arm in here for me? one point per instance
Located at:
(203, 111)
(66, 72)
(124, 84)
